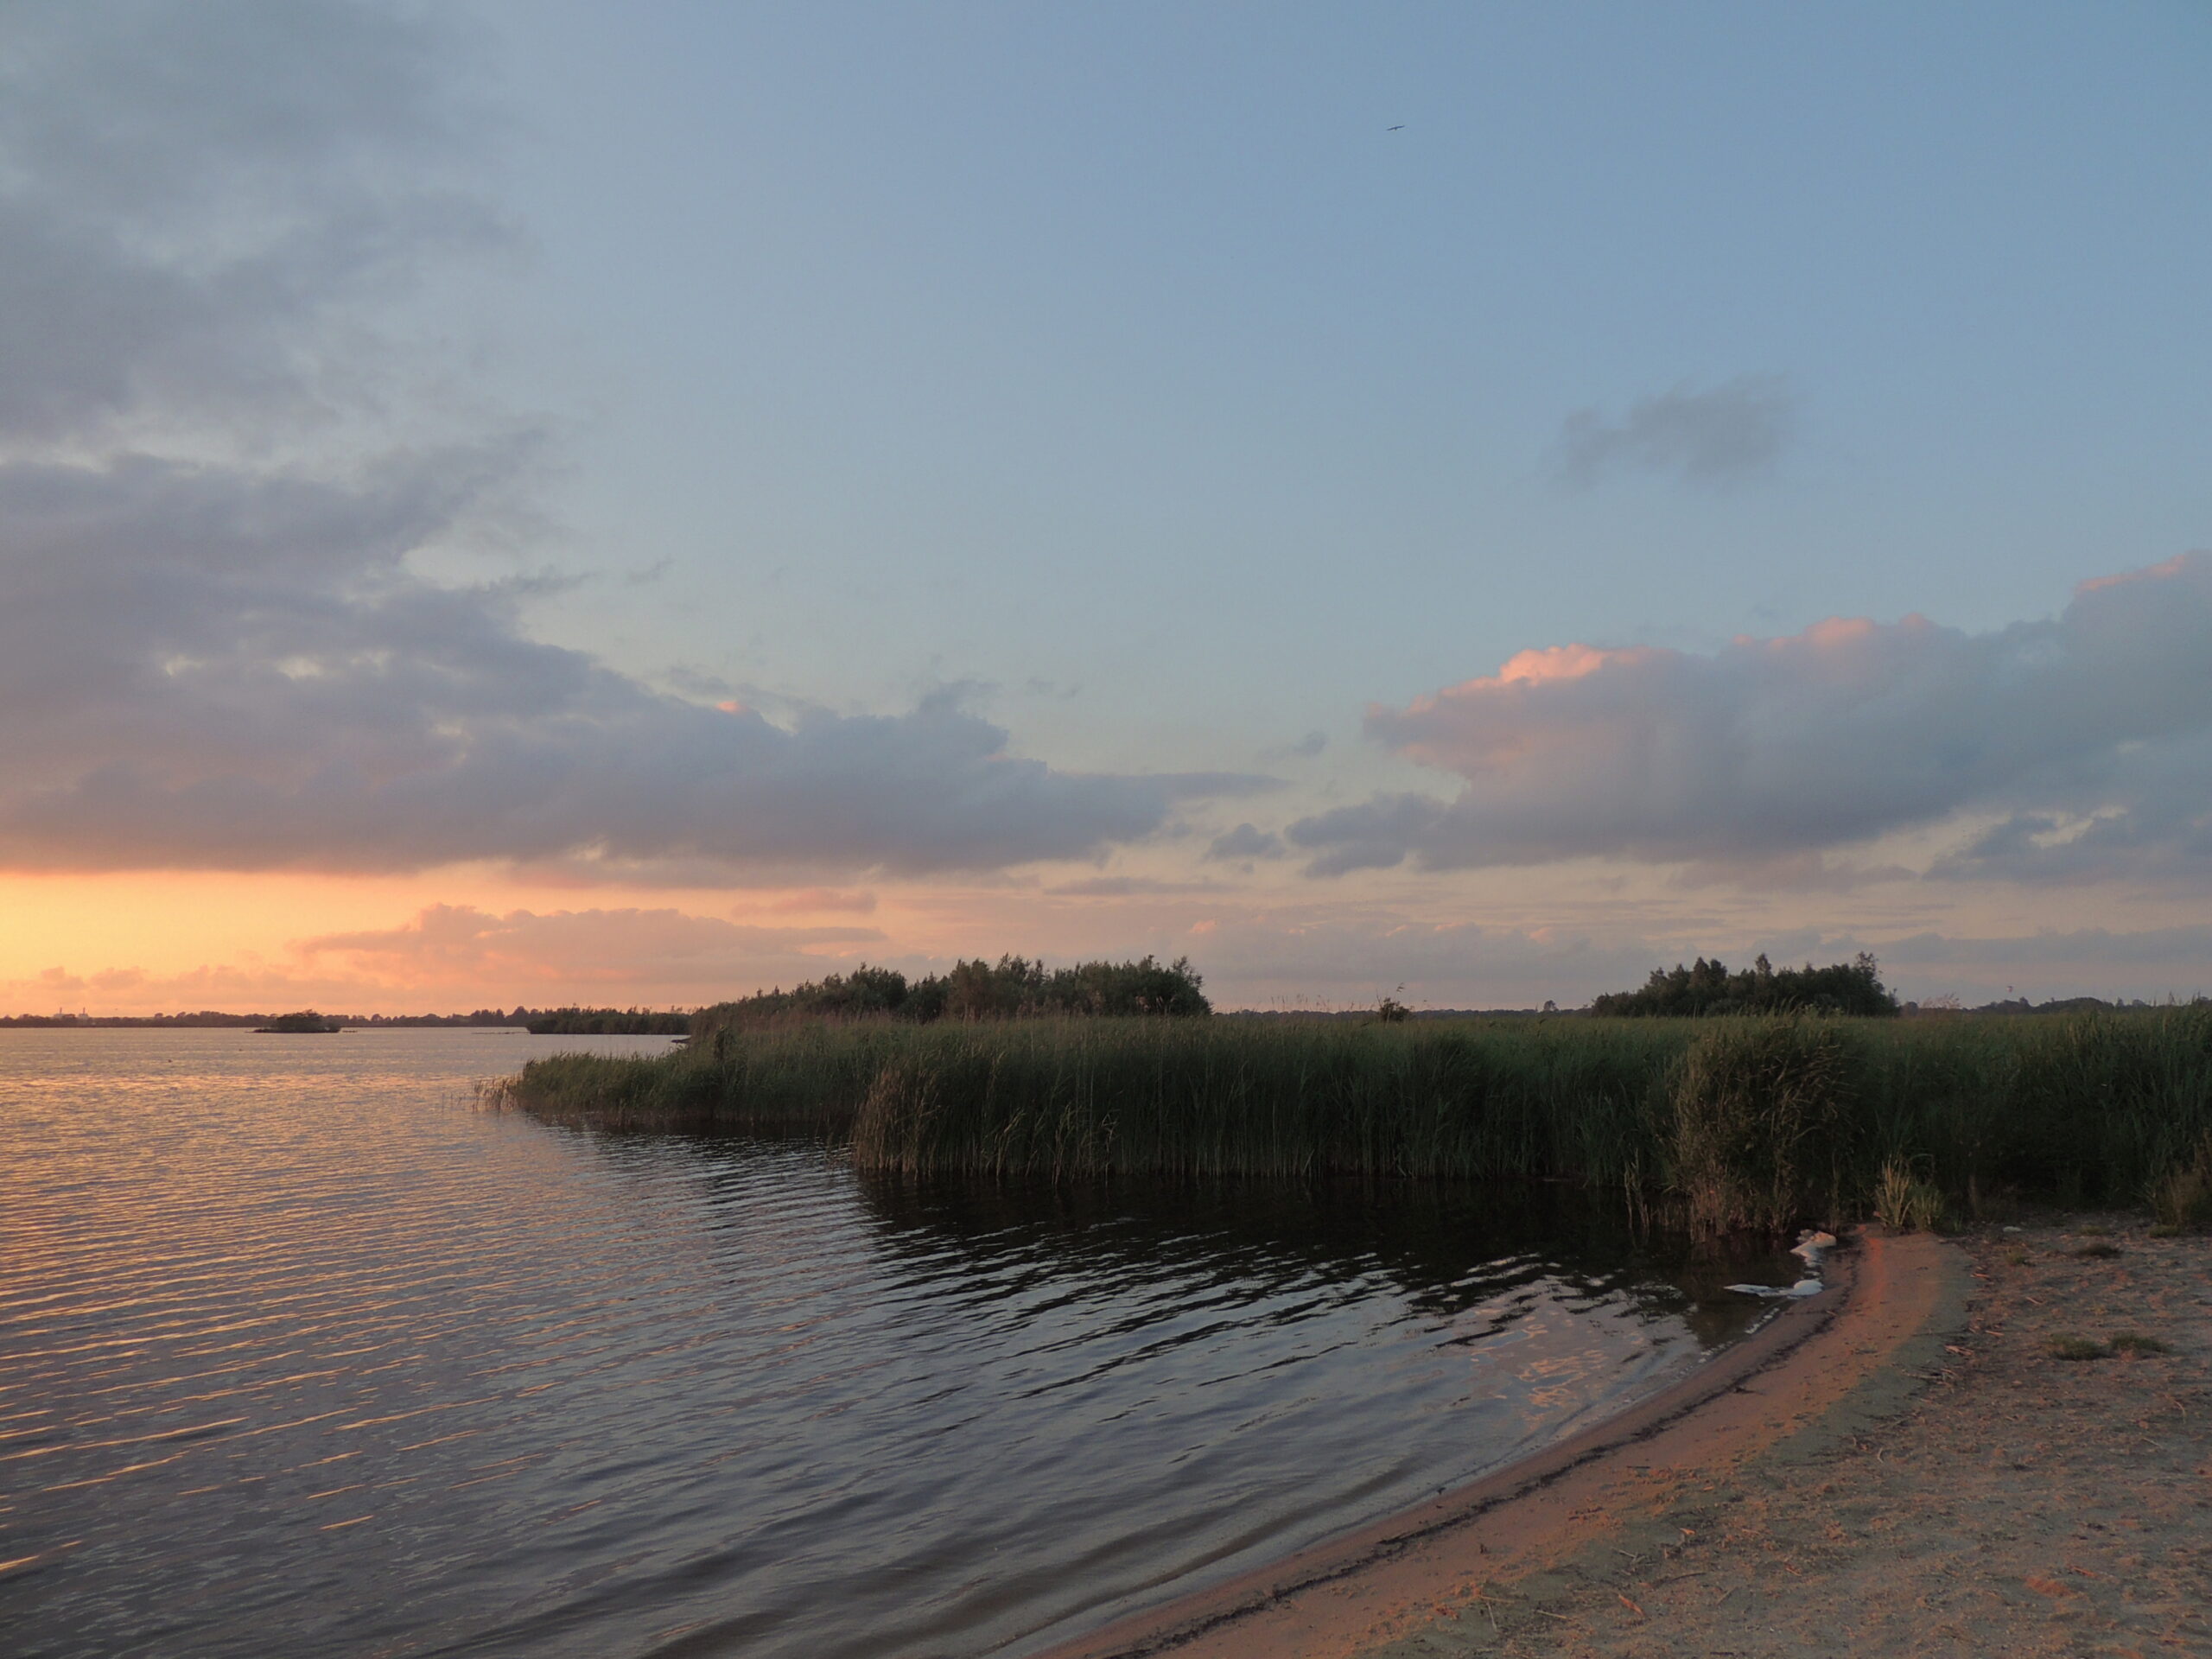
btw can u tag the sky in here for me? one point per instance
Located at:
(516, 501)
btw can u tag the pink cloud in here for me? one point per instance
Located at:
(1843, 732)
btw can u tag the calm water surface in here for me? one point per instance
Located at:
(300, 1352)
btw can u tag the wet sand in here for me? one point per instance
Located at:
(1906, 1470)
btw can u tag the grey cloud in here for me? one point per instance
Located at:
(2153, 962)
(698, 684)
(226, 661)
(1335, 961)
(1126, 886)
(1246, 840)
(2152, 821)
(1305, 749)
(2188, 947)
(203, 672)
(143, 108)
(1376, 834)
(1791, 872)
(188, 192)
(1723, 435)
(2090, 733)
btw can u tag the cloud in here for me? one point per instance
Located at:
(2087, 737)
(227, 677)
(206, 673)
(460, 944)
(217, 648)
(1792, 872)
(2150, 963)
(812, 901)
(189, 192)
(1725, 436)
(1246, 840)
(1330, 961)
(1126, 886)
(2189, 946)
(1305, 749)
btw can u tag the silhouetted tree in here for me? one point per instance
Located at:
(1708, 987)
(1010, 988)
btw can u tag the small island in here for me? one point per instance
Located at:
(306, 1022)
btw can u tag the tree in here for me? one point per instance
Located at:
(1708, 987)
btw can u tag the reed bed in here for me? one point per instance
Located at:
(1734, 1122)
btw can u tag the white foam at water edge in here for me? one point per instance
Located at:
(1809, 1250)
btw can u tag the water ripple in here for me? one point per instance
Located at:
(299, 1353)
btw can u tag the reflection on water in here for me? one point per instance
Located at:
(300, 1354)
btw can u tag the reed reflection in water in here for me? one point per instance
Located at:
(300, 1354)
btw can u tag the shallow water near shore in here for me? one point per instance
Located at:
(301, 1352)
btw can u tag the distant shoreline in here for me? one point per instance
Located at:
(216, 1020)
(233, 1021)
(520, 1020)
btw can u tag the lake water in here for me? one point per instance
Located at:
(302, 1353)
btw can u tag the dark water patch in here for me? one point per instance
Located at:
(300, 1354)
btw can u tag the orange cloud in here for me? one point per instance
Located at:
(1557, 663)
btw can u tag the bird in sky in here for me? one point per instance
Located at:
(1401, 127)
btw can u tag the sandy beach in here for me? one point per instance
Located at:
(1910, 1468)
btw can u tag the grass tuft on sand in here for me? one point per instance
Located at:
(2076, 1348)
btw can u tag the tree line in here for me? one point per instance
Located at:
(1708, 987)
(1012, 987)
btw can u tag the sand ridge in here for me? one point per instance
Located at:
(1987, 1497)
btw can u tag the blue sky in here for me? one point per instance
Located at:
(1129, 341)
(1067, 434)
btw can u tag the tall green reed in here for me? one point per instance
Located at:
(1737, 1122)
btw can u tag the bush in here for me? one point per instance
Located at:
(1763, 1128)
(1904, 1202)
(2182, 1198)
(307, 1020)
